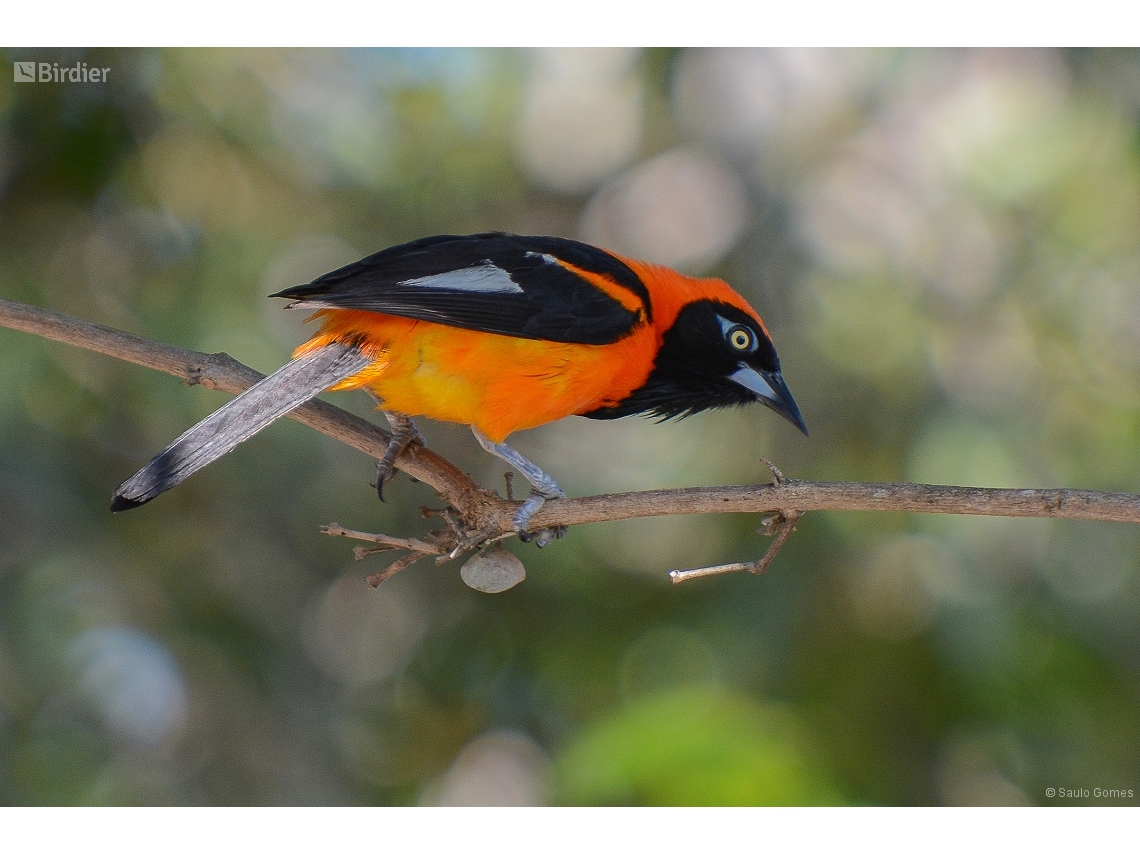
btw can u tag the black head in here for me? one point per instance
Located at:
(714, 355)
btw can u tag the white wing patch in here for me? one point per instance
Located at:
(545, 256)
(483, 278)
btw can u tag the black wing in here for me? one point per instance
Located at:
(497, 283)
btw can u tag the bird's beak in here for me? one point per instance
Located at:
(771, 391)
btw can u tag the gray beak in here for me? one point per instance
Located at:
(771, 391)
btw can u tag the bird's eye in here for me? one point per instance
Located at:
(740, 338)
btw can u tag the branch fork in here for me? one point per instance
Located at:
(780, 524)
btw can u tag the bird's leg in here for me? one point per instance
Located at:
(403, 434)
(543, 487)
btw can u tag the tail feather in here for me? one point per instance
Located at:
(263, 403)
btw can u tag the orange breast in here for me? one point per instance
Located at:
(498, 383)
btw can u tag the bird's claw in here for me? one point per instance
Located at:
(404, 433)
(543, 487)
(527, 510)
(542, 538)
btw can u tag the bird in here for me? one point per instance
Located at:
(503, 333)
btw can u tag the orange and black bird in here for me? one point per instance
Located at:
(501, 332)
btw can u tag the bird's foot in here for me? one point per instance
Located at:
(543, 487)
(404, 433)
(521, 519)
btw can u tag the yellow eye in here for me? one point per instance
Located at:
(740, 338)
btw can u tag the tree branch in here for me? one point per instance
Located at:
(482, 516)
(844, 496)
(222, 371)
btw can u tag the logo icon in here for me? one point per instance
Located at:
(24, 72)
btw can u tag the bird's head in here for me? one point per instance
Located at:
(715, 354)
(714, 351)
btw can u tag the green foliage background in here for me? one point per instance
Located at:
(947, 253)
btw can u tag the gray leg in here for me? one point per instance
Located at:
(544, 487)
(403, 434)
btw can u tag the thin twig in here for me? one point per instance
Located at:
(777, 476)
(787, 527)
(386, 541)
(392, 569)
(445, 514)
(786, 520)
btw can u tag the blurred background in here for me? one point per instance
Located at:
(946, 248)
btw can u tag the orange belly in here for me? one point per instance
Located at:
(498, 383)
